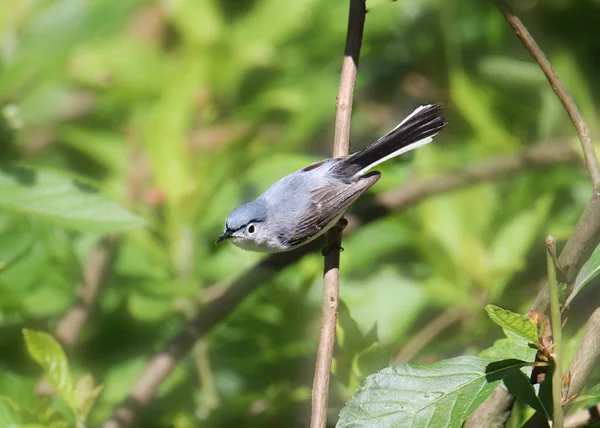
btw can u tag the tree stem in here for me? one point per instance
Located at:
(557, 414)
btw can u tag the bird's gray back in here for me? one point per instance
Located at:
(293, 194)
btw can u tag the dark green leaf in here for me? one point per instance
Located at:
(15, 238)
(520, 386)
(426, 396)
(61, 200)
(515, 323)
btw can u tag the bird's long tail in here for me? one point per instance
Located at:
(413, 132)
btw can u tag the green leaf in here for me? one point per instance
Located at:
(426, 396)
(504, 349)
(589, 271)
(48, 353)
(590, 399)
(515, 323)
(511, 348)
(62, 201)
(562, 292)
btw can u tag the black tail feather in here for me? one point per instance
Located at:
(425, 123)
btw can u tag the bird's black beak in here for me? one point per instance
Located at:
(224, 236)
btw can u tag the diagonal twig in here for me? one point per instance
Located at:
(555, 320)
(331, 275)
(431, 330)
(587, 355)
(561, 91)
(97, 267)
(161, 365)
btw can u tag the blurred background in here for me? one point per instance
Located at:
(183, 109)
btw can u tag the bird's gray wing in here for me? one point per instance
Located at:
(326, 203)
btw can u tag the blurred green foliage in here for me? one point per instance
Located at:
(183, 109)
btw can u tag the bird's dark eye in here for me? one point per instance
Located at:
(251, 228)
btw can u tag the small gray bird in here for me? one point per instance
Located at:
(305, 204)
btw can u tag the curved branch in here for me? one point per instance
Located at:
(559, 88)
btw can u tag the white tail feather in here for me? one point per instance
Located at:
(405, 149)
(408, 148)
(417, 110)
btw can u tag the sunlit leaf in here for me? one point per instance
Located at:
(425, 396)
(48, 353)
(61, 200)
(591, 398)
(504, 349)
(589, 270)
(511, 348)
(518, 324)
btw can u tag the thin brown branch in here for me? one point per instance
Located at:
(556, 322)
(68, 329)
(226, 300)
(559, 88)
(331, 276)
(356, 23)
(432, 330)
(329, 313)
(587, 356)
(96, 269)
